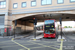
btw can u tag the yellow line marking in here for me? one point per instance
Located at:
(21, 45)
(42, 46)
(21, 49)
(36, 47)
(50, 42)
(61, 45)
(54, 45)
(34, 39)
(45, 45)
(28, 44)
(12, 39)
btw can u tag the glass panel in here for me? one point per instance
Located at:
(1, 6)
(60, 1)
(43, 2)
(15, 5)
(49, 27)
(2, 3)
(49, 21)
(73, 0)
(33, 3)
(49, 1)
(23, 4)
(4, 6)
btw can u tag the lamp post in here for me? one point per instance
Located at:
(15, 27)
(35, 23)
(61, 26)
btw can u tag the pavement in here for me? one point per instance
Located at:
(59, 38)
(37, 38)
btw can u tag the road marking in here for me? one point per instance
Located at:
(40, 47)
(21, 45)
(44, 45)
(21, 49)
(54, 43)
(12, 39)
(36, 47)
(50, 42)
(61, 45)
(34, 39)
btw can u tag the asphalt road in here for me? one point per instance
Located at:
(43, 44)
(24, 44)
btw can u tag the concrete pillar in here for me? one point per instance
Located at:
(8, 24)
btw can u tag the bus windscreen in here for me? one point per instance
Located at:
(49, 27)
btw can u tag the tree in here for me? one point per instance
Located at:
(65, 27)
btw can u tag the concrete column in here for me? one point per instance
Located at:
(8, 23)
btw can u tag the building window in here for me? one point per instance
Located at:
(3, 4)
(33, 3)
(46, 2)
(23, 4)
(72, 0)
(60, 1)
(15, 5)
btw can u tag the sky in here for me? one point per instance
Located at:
(67, 23)
(64, 23)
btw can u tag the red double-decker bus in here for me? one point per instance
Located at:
(49, 29)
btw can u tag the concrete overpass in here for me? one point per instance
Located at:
(25, 23)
